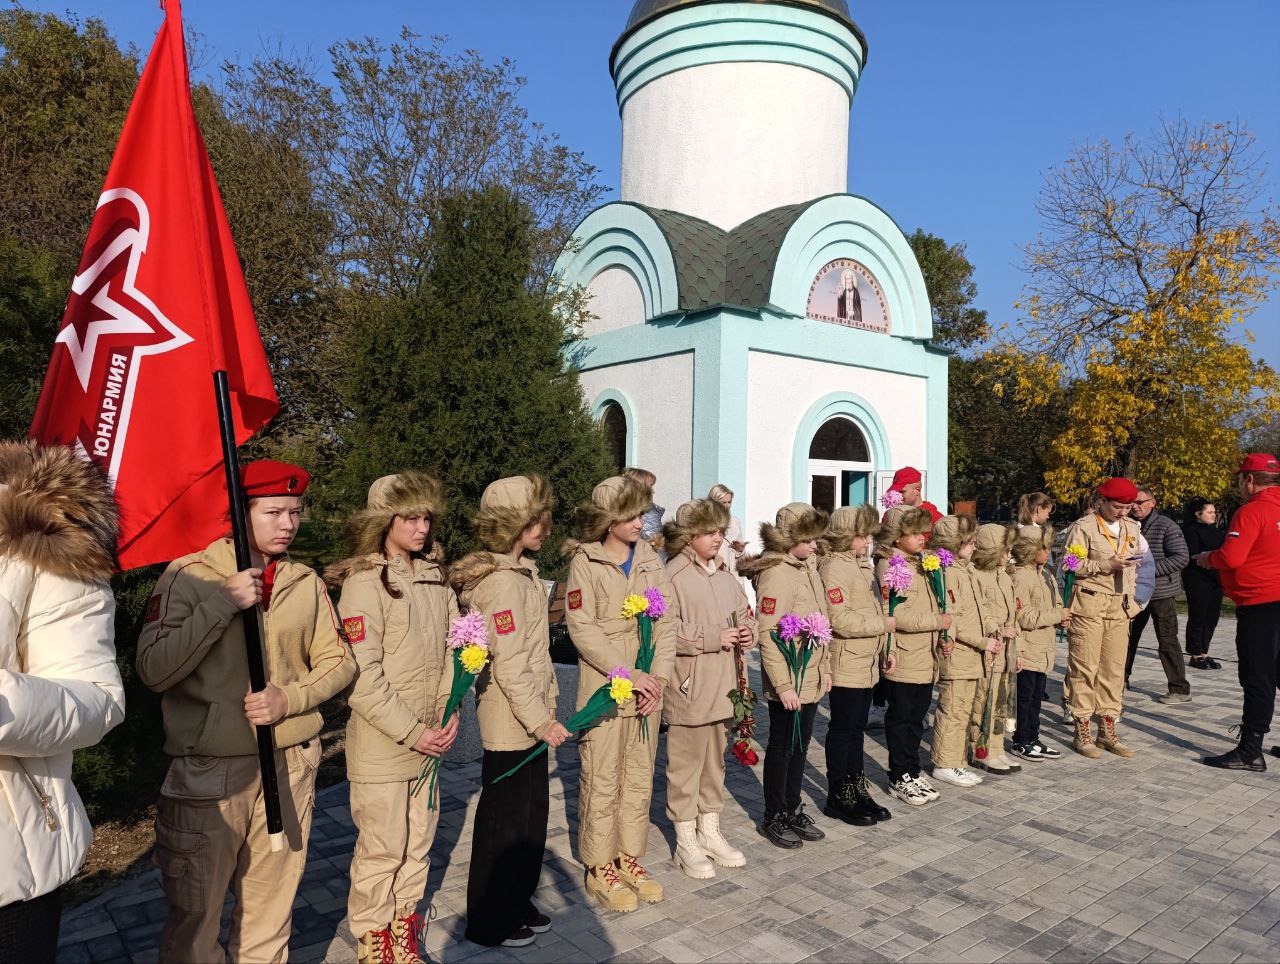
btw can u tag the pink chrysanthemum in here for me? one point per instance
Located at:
(818, 627)
(898, 576)
(790, 626)
(891, 498)
(657, 604)
(468, 630)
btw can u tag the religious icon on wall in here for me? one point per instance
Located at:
(846, 293)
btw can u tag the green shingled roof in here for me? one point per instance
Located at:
(716, 267)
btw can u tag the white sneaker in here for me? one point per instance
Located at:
(923, 783)
(956, 776)
(906, 790)
(1068, 718)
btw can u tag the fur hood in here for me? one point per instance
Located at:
(752, 567)
(615, 499)
(508, 507)
(953, 531)
(693, 519)
(339, 572)
(795, 523)
(1028, 541)
(846, 523)
(57, 512)
(406, 493)
(994, 543)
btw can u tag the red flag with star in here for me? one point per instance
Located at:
(157, 305)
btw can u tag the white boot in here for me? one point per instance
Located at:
(713, 842)
(689, 855)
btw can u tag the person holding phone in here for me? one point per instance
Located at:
(1103, 603)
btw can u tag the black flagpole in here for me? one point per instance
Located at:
(249, 618)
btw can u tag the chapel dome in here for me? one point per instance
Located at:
(647, 10)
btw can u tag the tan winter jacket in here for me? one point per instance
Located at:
(785, 584)
(966, 659)
(1095, 583)
(919, 623)
(593, 610)
(192, 652)
(857, 619)
(702, 604)
(516, 693)
(999, 608)
(1039, 611)
(405, 667)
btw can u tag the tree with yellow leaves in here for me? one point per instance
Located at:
(1152, 254)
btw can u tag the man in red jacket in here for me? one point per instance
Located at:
(1249, 566)
(908, 482)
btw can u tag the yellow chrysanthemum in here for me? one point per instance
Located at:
(621, 689)
(633, 606)
(930, 563)
(473, 658)
(1077, 550)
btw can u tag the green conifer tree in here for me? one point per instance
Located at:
(467, 378)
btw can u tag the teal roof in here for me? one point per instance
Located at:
(716, 267)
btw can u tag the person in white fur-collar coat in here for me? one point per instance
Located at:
(60, 689)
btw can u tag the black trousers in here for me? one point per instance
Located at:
(1166, 617)
(1030, 695)
(507, 846)
(1204, 605)
(904, 725)
(29, 929)
(1258, 648)
(783, 762)
(850, 708)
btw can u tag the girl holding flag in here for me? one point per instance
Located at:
(787, 584)
(910, 663)
(516, 707)
(396, 606)
(608, 564)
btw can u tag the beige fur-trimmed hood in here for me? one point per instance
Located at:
(508, 507)
(693, 519)
(795, 522)
(57, 512)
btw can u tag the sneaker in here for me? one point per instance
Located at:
(906, 790)
(1068, 718)
(956, 776)
(923, 783)
(1027, 751)
(1048, 752)
(521, 938)
(539, 922)
(1174, 698)
(776, 829)
(802, 825)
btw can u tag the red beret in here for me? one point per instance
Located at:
(1259, 462)
(1118, 490)
(903, 477)
(267, 478)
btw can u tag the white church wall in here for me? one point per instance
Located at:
(782, 389)
(659, 392)
(616, 301)
(726, 141)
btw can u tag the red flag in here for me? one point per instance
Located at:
(158, 304)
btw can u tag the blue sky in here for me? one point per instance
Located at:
(961, 109)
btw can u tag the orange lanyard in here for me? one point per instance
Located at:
(1106, 534)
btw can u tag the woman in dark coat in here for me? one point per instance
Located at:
(1204, 592)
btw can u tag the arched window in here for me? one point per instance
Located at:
(614, 422)
(839, 465)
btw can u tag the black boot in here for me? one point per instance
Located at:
(802, 825)
(1246, 756)
(862, 792)
(776, 828)
(844, 805)
(1275, 751)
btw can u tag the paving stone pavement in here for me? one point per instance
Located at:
(1152, 859)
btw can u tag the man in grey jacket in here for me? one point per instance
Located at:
(1169, 550)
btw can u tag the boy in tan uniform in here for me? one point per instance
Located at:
(610, 563)
(999, 606)
(516, 707)
(786, 580)
(396, 608)
(1102, 604)
(712, 620)
(963, 657)
(210, 822)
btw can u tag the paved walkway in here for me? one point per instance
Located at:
(1153, 859)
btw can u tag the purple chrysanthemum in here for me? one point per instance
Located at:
(891, 498)
(1071, 562)
(790, 626)
(945, 557)
(657, 604)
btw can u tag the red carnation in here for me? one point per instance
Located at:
(746, 756)
(980, 753)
